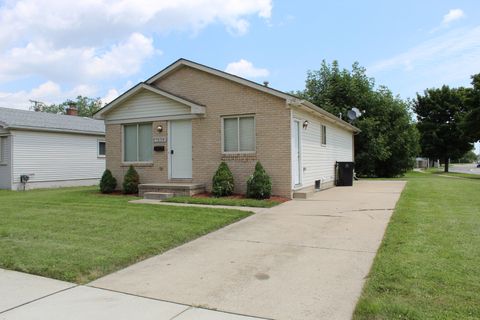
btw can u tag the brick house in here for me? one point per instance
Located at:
(176, 127)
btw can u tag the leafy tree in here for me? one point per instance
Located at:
(468, 157)
(389, 140)
(131, 181)
(472, 119)
(440, 114)
(259, 184)
(86, 106)
(108, 183)
(222, 182)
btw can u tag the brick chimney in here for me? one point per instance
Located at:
(72, 109)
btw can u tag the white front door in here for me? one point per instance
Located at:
(180, 138)
(296, 156)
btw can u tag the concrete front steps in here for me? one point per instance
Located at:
(157, 195)
(161, 191)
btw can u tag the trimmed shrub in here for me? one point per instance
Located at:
(222, 182)
(259, 185)
(108, 183)
(131, 181)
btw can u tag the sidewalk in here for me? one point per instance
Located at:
(24, 296)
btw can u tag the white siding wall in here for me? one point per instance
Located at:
(5, 162)
(318, 161)
(50, 156)
(147, 104)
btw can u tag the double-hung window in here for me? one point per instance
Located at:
(137, 142)
(323, 134)
(239, 134)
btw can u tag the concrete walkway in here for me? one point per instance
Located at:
(300, 260)
(162, 203)
(25, 297)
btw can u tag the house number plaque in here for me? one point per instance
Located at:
(160, 140)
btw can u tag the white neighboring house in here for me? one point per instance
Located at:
(51, 150)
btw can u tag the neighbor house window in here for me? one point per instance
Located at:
(137, 142)
(3, 147)
(102, 148)
(323, 134)
(239, 134)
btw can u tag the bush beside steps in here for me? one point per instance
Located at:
(259, 185)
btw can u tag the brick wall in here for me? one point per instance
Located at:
(221, 98)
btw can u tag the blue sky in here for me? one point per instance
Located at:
(52, 50)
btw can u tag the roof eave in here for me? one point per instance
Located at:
(210, 70)
(330, 116)
(58, 130)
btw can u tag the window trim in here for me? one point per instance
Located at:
(98, 148)
(323, 135)
(123, 144)
(251, 115)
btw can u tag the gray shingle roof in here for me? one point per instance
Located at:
(15, 118)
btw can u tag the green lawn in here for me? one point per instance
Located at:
(428, 266)
(76, 234)
(225, 201)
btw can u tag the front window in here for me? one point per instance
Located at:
(239, 134)
(137, 142)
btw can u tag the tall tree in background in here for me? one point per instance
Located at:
(441, 114)
(86, 106)
(472, 119)
(388, 142)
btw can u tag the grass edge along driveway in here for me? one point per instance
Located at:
(78, 235)
(428, 266)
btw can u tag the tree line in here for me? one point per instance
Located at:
(439, 124)
(86, 106)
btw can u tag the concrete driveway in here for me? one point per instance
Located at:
(305, 259)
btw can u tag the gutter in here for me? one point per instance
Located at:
(58, 130)
(324, 114)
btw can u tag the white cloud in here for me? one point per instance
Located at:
(76, 42)
(76, 64)
(91, 22)
(244, 68)
(110, 96)
(460, 45)
(123, 59)
(452, 15)
(47, 92)
(450, 58)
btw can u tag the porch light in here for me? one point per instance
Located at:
(160, 128)
(305, 124)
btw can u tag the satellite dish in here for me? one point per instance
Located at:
(353, 114)
(357, 112)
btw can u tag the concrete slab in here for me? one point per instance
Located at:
(82, 303)
(17, 288)
(305, 259)
(202, 314)
(159, 202)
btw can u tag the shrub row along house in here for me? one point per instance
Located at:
(179, 125)
(42, 150)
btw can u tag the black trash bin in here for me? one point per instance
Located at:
(344, 173)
